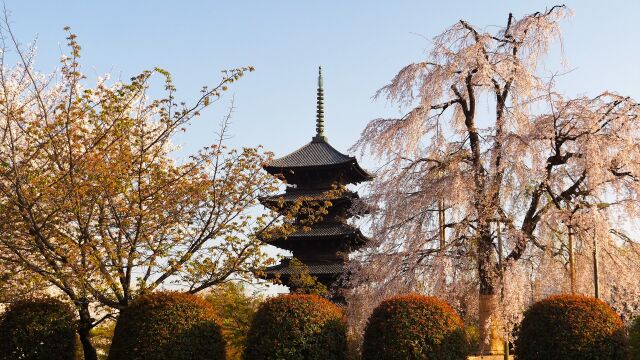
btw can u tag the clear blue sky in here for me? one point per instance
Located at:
(360, 44)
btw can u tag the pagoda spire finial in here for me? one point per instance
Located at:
(320, 110)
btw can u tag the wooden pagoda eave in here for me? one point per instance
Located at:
(307, 197)
(354, 172)
(354, 238)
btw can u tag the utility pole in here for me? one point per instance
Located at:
(441, 218)
(501, 265)
(499, 230)
(441, 223)
(572, 268)
(596, 279)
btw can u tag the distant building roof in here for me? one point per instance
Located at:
(318, 154)
(284, 268)
(315, 153)
(318, 232)
(310, 195)
(325, 230)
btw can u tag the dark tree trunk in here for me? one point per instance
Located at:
(84, 330)
(487, 273)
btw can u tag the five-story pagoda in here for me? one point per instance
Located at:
(312, 173)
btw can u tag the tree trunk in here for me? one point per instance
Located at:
(491, 338)
(84, 330)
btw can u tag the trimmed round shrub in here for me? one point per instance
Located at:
(634, 340)
(42, 329)
(297, 327)
(571, 327)
(414, 327)
(168, 326)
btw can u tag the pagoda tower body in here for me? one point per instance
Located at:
(311, 173)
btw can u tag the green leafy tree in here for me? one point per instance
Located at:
(101, 336)
(302, 282)
(236, 310)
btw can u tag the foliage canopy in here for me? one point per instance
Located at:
(571, 327)
(168, 326)
(40, 329)
(414, 327)
(236, 311)
(297, 327)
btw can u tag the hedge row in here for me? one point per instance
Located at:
(174, 326)
(414, 327)
(168, 326)
(571, 327)
(634, 340)
(42, 329)
(297, 327)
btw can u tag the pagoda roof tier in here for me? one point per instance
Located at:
(318, 155)
(285, 268)
(322, 232)
(311, 195)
